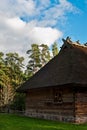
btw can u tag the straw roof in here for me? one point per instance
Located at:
(68, 67)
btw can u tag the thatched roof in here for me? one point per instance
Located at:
(68, 67)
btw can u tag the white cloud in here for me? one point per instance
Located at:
(25, 6)
(17, 7)
(44, 35)
(18, 35)
(15, 23)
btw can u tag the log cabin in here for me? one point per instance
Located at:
(58, 91)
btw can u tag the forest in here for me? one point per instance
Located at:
(13, 72)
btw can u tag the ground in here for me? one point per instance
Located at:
(15, 122)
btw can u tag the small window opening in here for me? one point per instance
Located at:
(58, 97)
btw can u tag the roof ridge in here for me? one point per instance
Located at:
(81, 45)
(77, 43)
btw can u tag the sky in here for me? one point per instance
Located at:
(24, 22)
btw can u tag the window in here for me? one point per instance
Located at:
(58, 99)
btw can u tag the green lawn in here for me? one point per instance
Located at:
(14, 122)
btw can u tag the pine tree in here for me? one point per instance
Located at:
(4, 82)
(34, 60)
(54, 49)
(38, 55)
(45, 54)
(14, 63)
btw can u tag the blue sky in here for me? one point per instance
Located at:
(77, 23)
(24, 22)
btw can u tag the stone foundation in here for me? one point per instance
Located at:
(50, 116)
(81, 119)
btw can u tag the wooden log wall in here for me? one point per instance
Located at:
(41, 103)
(81, 106)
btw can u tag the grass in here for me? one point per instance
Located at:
(15, 122)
